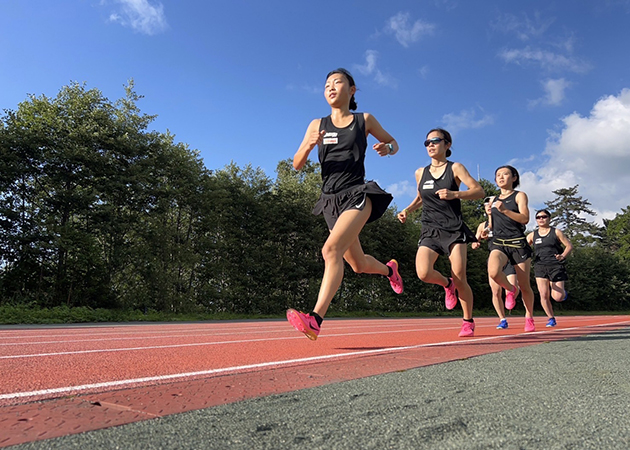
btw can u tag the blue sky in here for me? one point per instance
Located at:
(543, 85)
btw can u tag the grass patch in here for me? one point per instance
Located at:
(22, 314)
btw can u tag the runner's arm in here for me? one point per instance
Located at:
(312, 137)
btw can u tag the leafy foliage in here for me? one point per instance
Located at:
(568, 210)
(99, 213)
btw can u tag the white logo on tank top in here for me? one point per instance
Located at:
(429, 184)
(331, 138)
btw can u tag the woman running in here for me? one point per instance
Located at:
(509, 215)
(484, 231)
(347, 201)
(443, 229)
(551, 248)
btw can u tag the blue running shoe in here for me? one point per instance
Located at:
(503, 325)
(551, 322)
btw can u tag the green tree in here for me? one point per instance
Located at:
(568, 210)
(84, 187)
(617, 234)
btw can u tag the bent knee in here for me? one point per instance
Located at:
(331, 252)
(423, 275)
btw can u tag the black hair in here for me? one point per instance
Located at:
(348, 75)
(517, 177)
(446, 136)
(546, 211)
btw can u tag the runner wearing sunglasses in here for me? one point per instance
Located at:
(551, 248)
(510, 214)
(347, 201)
(484, 231)
(443, 229)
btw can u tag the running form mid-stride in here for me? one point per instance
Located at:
(347, 201)
(509, 215)
(551, 248)
(443, 229)
(484, 231)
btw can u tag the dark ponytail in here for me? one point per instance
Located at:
(353, 104)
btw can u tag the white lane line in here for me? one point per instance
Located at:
(332, 325)
(225, 370)
(245, 341)
(221, 329)
(271, 364)
(200, 344)
(217, 331)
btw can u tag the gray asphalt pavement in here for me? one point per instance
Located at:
(572, 394)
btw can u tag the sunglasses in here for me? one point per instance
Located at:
(541, 217)
(435, 141)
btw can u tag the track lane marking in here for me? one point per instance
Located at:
(272, 364)
(244, 341)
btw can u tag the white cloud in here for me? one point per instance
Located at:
(406, 33)
(370, 68)
(524, 29)
(466, 119)
(140, 15)
(549, 61)
(592, 151)
(402, 189)
(554, 92)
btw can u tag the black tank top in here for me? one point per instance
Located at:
(342, 154)
(502, 226)
(547, 247)
(437, 213)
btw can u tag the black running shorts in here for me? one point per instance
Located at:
(333, 205)
(517, 250)
(440, 241)
(552, 272)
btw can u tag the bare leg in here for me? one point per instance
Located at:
(558, 291)
(344, 234)
(496, 263)
(458, 258)
(425, 260)
(497, 300)
(543, 289)
(362, 263)
(522, 274)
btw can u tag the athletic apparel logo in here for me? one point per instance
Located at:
(352, 126)
(429, 184)
(538, 241)
(360, 205)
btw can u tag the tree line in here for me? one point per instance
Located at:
(97, 210)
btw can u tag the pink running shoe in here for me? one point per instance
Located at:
(304, 323)
(395, 280)
(510, 298)
(451, 297)
(529, 324)
(468, 329)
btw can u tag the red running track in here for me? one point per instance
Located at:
(62, 380)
